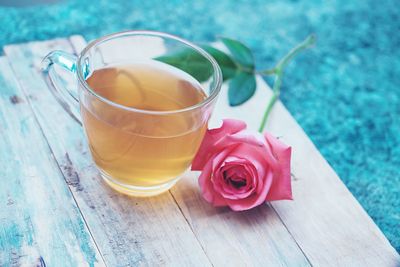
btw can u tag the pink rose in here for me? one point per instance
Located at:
(242, 169)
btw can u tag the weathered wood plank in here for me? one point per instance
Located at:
(255, 238)
(334, 230)
(128, 231)
(40, 223)
(250, 238)
(326, 238)
(269, 252)
(242, 238)
(327, 222)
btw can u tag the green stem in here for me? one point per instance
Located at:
(309, 41)
(275, 96)
(278, 70)
(244, 69)
(266, 72)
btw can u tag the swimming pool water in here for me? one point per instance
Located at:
(345, 92)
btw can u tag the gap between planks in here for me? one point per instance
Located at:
(295, 218)
(28, 100)
(78, 43)
(267, 251)
(111, 245)
(50, 222)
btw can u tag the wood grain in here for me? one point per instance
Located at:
(268, 250)
(255, 238)
(250, 238)
(128, 231)
(323, 226)
(40, 223)
(334, 230)
(325, 219)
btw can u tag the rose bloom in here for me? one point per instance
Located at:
(242, 169)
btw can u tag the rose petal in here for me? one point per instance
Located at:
(219, 182)
(257, 146)
(205, 183)
(256, 182)
(248, 171)
(215, 164)
(207, 147)
(258, 165)
(247, 138)
(222, 157)
(242, 169)
(226, 189)
(281, 187)
(258, 158)
(253, 200)
(235, 166)
(207, 188)
(219, 201)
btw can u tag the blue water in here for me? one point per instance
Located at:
(345, 93)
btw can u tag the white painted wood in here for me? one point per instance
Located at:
(334, 230)
(327, 222)
(268, 252)
(128, 231)
(40, 224)
(255, 238)
(249, 238)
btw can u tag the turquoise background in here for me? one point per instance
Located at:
(345, 92)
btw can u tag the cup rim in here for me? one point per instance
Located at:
(216, 70)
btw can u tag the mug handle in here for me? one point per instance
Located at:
(67, 97)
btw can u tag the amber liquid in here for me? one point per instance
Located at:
(137, 148)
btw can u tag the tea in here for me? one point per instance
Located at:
(143, 149)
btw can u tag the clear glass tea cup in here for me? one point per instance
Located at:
(138, 152)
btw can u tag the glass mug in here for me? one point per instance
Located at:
(138, 152)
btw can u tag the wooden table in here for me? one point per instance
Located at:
(56, 211)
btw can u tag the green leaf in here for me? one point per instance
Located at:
(240, 52)
(190, 62)
(199, 67)
(241, 88)
(227, 65)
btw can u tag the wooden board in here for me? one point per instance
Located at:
(327, 222)
(128, 231)
(214, 235)
(323, 226)
(40, 223)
